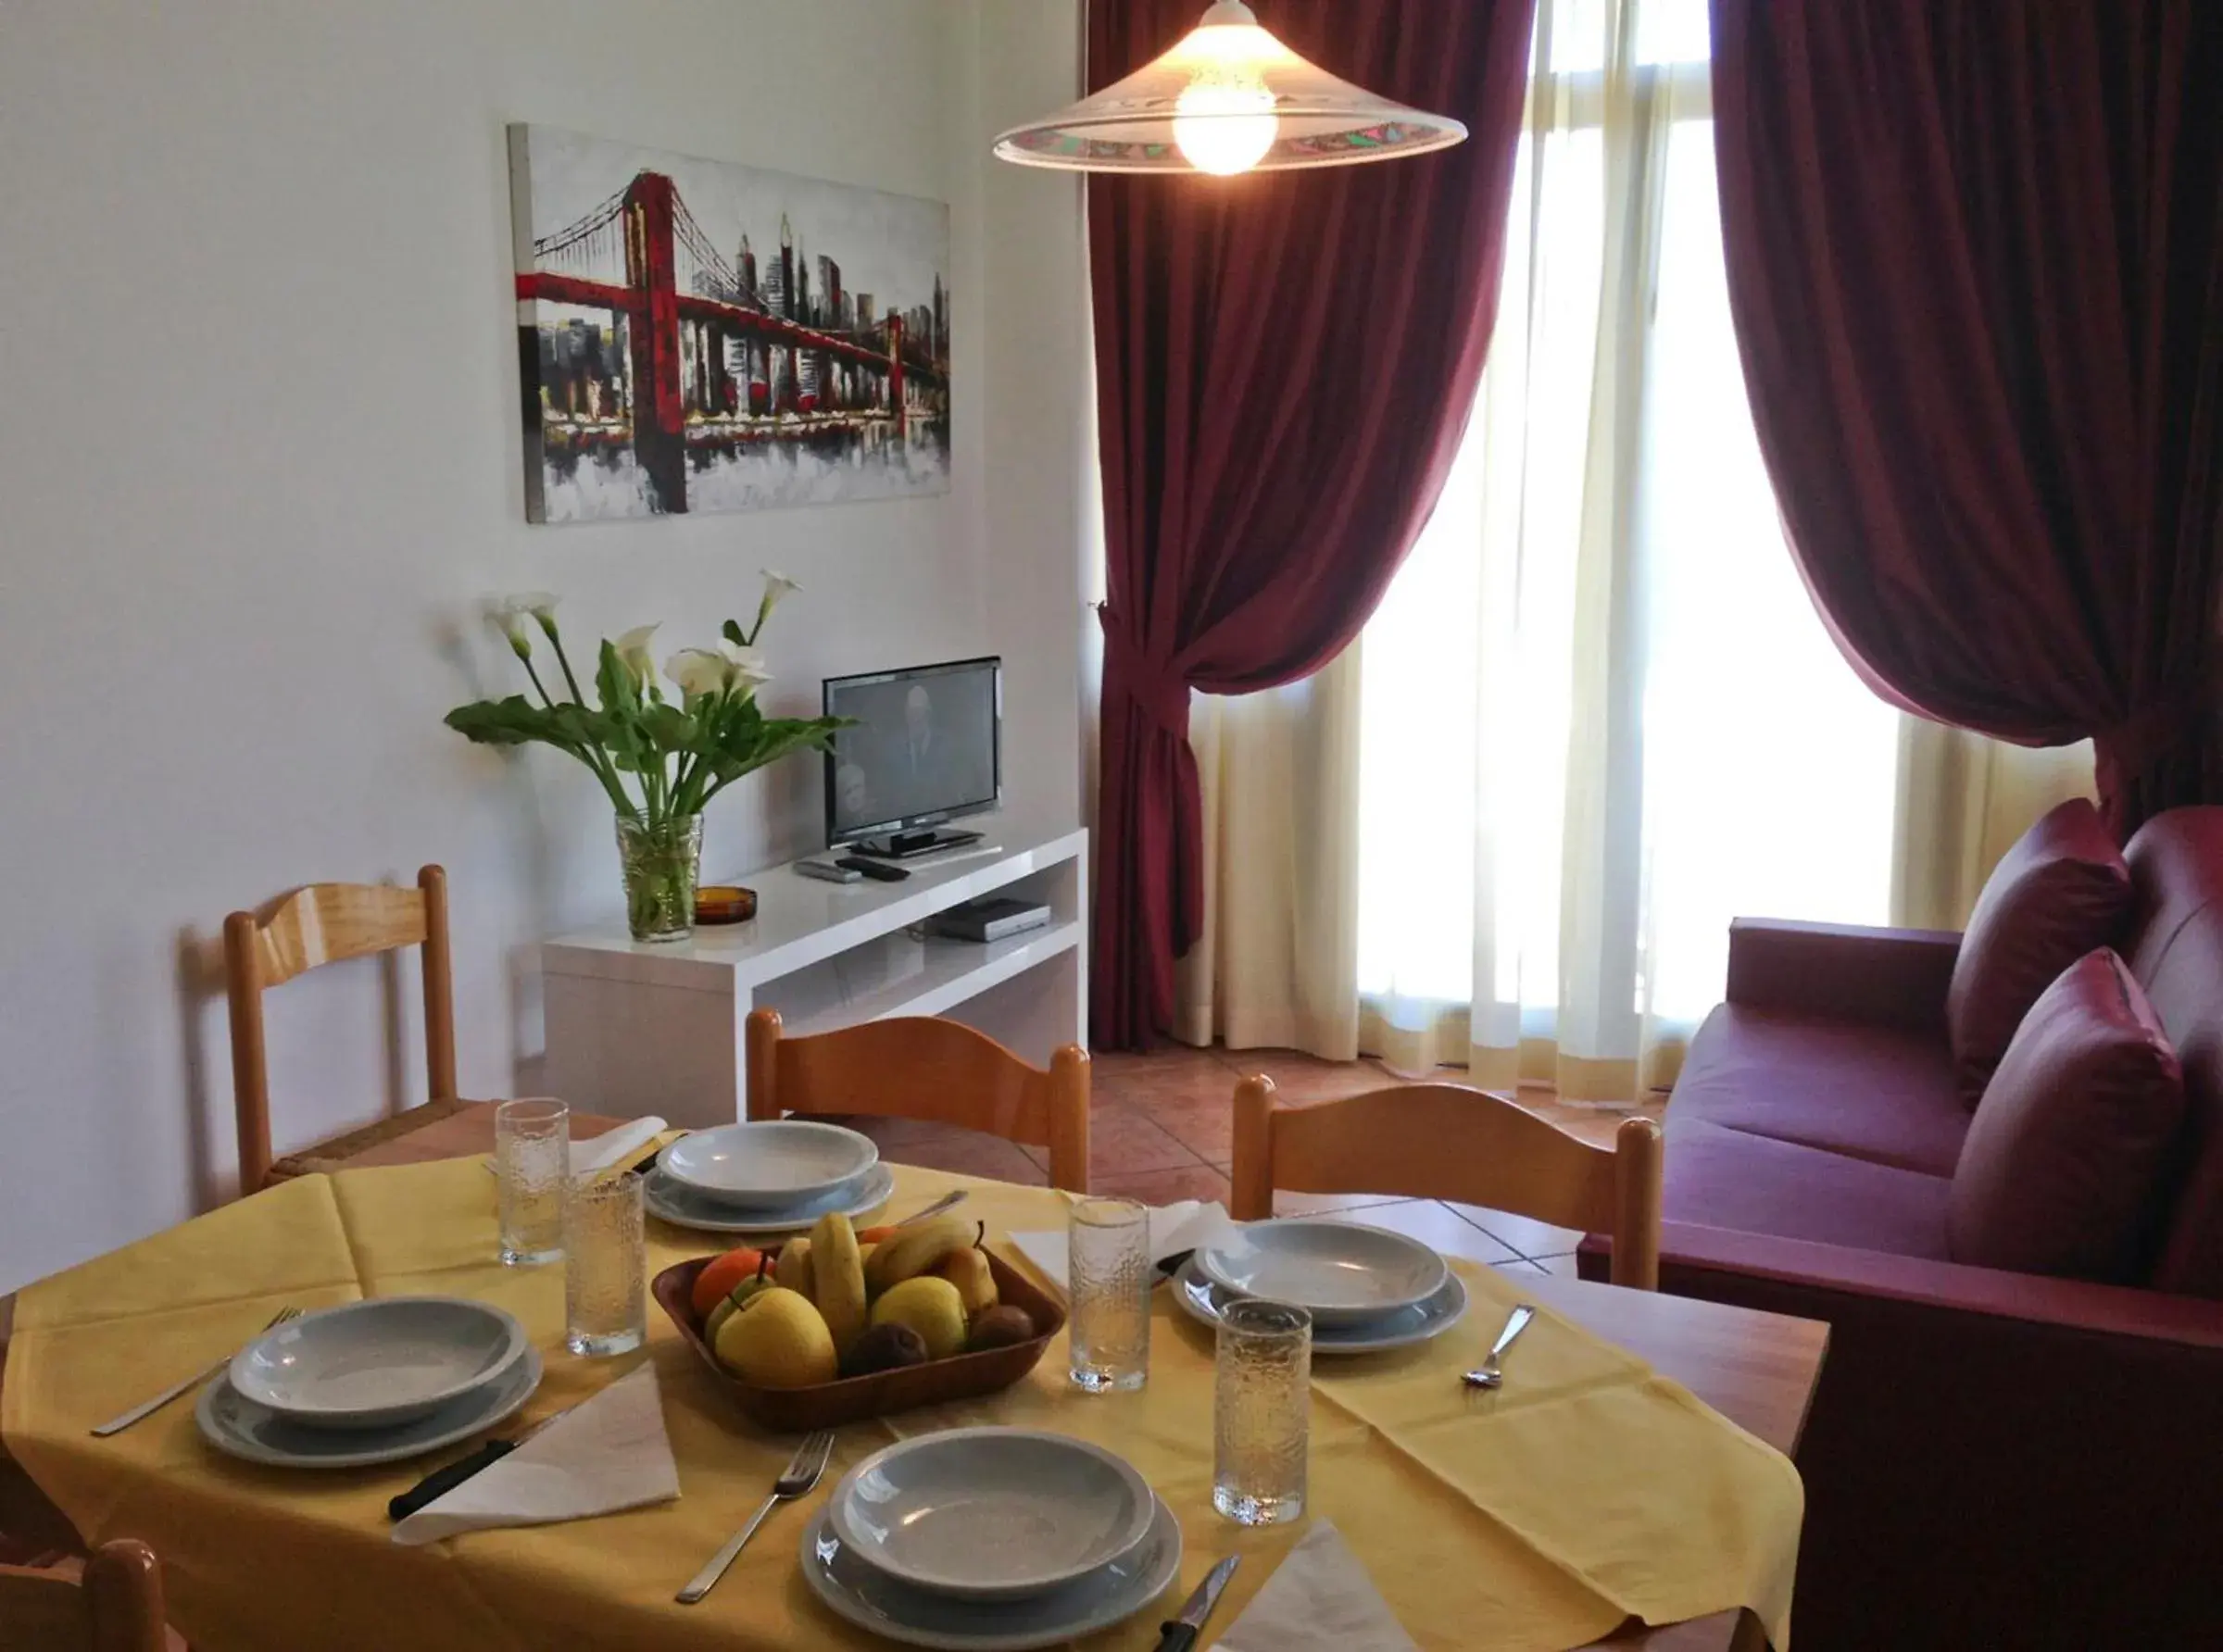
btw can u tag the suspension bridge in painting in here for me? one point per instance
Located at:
(717, 357)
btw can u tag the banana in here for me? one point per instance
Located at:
(793, 1269)
(908, 1252)
(837, 1278)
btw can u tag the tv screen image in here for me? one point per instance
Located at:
(925, 746)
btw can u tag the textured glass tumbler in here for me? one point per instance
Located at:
(605, 1265)
(532, 1162)
(1108, 1268)
(1261, 1396)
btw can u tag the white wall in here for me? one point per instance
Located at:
(258, 466)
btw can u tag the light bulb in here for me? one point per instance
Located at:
(1224, 123)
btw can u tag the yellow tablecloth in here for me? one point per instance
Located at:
(1586, 1491)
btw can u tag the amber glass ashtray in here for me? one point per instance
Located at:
(724, 903)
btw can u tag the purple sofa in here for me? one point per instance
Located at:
(1993, 1458)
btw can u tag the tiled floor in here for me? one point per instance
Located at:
(1162, 1131)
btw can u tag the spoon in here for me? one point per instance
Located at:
(1489, 1376)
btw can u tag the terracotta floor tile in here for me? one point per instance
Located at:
(1307, 1078)
(1437, 1228)
(1191, 1180)
(1527, 1236)
(1204, 1124)
(1123, 1142)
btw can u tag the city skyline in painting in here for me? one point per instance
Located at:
(700, 335)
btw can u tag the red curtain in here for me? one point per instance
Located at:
(1284, 367)
(1976, 261)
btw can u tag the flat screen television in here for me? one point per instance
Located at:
(927, 746)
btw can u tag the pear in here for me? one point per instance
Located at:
(968, 1271)
(931, 1306)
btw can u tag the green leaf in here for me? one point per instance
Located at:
(731, 631)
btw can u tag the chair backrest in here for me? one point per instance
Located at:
(920, 1067)
(324, 923)
(1449, 1142)
(115, 1608)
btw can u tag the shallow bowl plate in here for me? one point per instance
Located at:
(991, 1513)
(683, 1207)
(240, 1427)
(878, 1604)
(1203, 1300)
(1342, 1271)
(378, 1362)
(769, 1163)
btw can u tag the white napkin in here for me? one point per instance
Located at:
(612, 1146)
(1319, 1599)
(605, 1454)
(1186, 1225)
(615, 1147)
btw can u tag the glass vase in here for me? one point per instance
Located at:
(660, 861)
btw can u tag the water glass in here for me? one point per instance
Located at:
(605, 1265)
(532, 1162)
(1261, 1411)
(1108, 1267)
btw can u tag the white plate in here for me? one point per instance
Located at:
(771, 1163)
(1201, 1299)
(991, 1513)
(683, 1207)
(375, 1363)
(1341, 1272)
(879, 1604)
(240, 1428)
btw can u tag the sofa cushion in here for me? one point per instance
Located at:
(2062, 1172)
(2177, 953)
(1869, 1092)
(1723, 1178)
(2061, 890)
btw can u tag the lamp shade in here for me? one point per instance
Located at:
(1226, 99)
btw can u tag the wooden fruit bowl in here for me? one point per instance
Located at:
(850, 1399)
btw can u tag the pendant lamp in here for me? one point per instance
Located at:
(1227, 98)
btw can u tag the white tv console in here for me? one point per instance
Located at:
(634, 1028)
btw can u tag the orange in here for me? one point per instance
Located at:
(728, 1270)
(872, 1235)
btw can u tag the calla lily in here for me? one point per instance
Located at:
(699, 671)
(776, 586)
(511, 623)
(632, 654)
(746, 669)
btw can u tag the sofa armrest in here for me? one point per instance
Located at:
(1888, 977)
(1690, 1254)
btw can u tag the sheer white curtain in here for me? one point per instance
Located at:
(1599, 716)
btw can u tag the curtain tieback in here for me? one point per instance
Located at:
(1158, 690)
(2146, 736)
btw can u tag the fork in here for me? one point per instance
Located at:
(1489, 1376)
(116, 1425)
(802, 1472)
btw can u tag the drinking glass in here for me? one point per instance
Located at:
(1260, 1410)
(532, 1162)
(1108, 1267)
(605, 1265)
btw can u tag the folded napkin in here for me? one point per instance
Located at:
(605, 1454)
(615, 1147)
(1320, 1598)
(1173, 1228)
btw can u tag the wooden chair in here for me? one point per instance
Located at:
(115, 1608)
(919, 1066)
(321, 924)
(1449, 1142)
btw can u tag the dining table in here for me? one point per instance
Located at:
(261, 1557)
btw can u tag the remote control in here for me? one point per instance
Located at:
(877, 869)
(826, 870)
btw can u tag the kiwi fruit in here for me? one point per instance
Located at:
(1001, 1327)
(884, 1348)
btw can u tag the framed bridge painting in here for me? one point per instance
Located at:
(697, 335)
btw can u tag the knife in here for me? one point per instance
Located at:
(1180, 1633)
(441, 1481)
